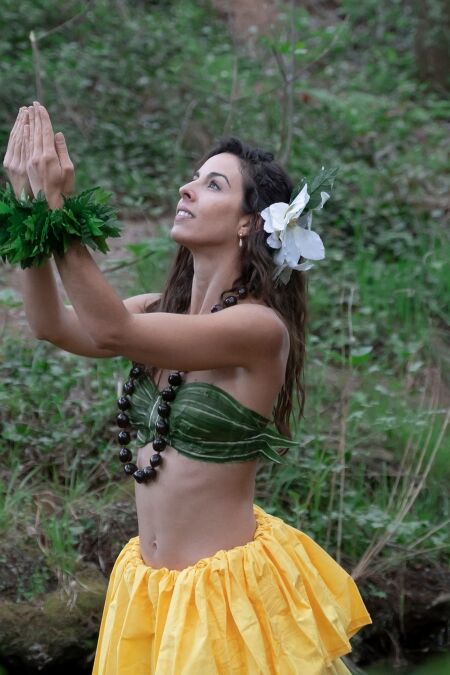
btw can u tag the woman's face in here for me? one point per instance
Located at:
(209, 211)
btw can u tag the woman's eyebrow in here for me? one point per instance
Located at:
(211, 174)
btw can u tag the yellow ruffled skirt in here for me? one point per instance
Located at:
(278, 605)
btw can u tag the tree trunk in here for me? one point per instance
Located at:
(431, 42)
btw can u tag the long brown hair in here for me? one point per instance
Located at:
(264, 182)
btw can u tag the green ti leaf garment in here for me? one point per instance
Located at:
(207, 423)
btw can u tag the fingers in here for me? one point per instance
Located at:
(18, 137)
(17, 146)
(48, 137)
(66, 164)
(31, 119)
(12, 139)
(25, 153)
(16, 123)
(62, 151)
(37, 136)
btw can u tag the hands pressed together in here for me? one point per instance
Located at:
(36, 159)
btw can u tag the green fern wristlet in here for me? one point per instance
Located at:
(30, 232)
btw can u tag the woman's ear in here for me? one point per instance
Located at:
(249, 221)
(243, 231)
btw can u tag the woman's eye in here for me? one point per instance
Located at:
(214, 184)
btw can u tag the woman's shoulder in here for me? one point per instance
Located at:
(267, 323)
(264, 311)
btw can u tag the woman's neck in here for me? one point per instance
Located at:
(211, 277)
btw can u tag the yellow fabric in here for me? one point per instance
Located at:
(278, 605)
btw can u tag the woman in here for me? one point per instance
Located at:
(212, 584)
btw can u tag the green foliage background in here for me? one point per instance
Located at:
(141, 90)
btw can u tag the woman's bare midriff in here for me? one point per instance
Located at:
(194, 509)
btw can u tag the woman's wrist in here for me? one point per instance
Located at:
(55, 202)
(21, 187)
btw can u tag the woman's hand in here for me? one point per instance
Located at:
(49, 166)
(15, 160)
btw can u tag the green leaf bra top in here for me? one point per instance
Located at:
(206, 423)
(200, 420)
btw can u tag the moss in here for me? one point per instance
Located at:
(47, 628)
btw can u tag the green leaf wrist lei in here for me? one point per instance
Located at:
(30, 232)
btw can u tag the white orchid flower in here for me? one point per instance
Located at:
(291, 234)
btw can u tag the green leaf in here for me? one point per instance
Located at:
(361, 354)
(31, 233)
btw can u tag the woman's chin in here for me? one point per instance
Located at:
(179, 235)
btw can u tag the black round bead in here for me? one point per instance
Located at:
(216, 308)
(164, 409)
(230, 300)
(242, 292)
(135, 372)
(125, 455)
(168, 394)
(123, 403)
(128, 387)
(122, 420)
(175, 379)
(162, 426)
(123, 437)
(155, 460)
(130, 469)
(159, 444)
(139, 476)
(149, 472)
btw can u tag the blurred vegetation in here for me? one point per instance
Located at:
(141, 90)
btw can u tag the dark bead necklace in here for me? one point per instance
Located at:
(167, 397)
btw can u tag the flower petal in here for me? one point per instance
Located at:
(298, 204)
(309, 244)
(278, 257)
(273, 241)
(305, 220)
(274, 216)
(324, 196)
(291, 249)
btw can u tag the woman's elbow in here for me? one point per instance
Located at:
(110, 337)
(104, 340)
(42, 334)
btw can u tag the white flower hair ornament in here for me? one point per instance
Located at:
(289, 226)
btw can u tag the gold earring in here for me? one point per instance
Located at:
(240, 241)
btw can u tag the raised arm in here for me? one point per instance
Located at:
(50, 319)
(246, 335)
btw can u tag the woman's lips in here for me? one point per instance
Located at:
(183, 214)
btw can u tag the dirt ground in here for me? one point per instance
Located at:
(247, 18)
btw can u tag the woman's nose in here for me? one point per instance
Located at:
(187, 191)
